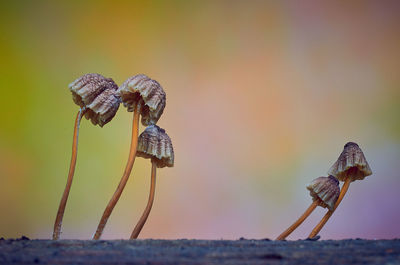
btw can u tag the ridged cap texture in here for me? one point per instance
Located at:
(351, 163)
(154, 143)
(98, 96)
(326, 190)
(146, 92)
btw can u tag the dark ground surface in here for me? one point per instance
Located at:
(244, 251)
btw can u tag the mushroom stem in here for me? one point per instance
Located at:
(64, 198)
(146, 212)
(125, 176)
(299, 221)
(325, 219)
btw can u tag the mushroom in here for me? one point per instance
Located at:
(99, 101)
(350, 166)
(145, 97)
(324, 192)
(156, 145)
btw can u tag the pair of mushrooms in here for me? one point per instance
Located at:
(99, 99)
(350, 166)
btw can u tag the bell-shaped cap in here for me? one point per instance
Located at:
(350, 164)
(154, 143)
(140, 89)
(326, 190)
(98, 96)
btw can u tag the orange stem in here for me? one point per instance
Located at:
(146, 212)
(325, 219)
(64, 198)
(125, 176)
(299, 221)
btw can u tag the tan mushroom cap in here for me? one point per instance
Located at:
(326, 190)
(140, 89)
(351, 163)
(99, 95)
(154, 143)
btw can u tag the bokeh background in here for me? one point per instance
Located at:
(261, 98)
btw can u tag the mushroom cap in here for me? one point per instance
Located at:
(98, 95)
(140, 89)
(326, 190)
(351, 163)
(154, 143)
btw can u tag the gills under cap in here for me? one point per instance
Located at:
(326, 190)
(351, 163)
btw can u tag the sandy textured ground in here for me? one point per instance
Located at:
(243, 251)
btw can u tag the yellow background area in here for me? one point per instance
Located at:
(261, 98)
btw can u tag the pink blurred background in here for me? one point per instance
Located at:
(261, 98)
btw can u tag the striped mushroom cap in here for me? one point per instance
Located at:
(154, 143)
(326, 190)
(98, 95)
(351, 163)
(140, 89)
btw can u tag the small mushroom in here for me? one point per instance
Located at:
(99, 101)
(350, 166)
(156, 145)
(142, 96)
(324, 192)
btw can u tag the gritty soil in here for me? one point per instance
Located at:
(183, 251)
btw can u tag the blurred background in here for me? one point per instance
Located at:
(261, 98)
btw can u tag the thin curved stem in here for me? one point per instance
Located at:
(299, 221)
(125, 176)
(64, 198)
(325, 219)
(146, 212)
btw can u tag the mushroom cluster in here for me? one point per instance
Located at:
(99, 99)
(350, 166)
